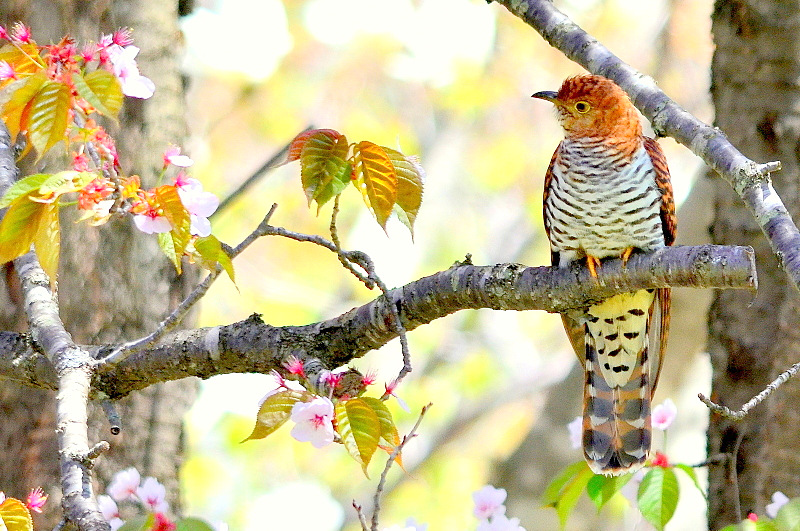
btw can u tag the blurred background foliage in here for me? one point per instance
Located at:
(450, 81)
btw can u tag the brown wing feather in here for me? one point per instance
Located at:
(660, 312)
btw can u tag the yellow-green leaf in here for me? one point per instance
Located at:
(167, 244)
(24, 186)
(376, 178)
(410, 182)
(102, 90)
(275, 411)
(19, 226)
(170, 202)
(49, 115)
(324, 172)
(15, 516)
(47, 241)
(211, 253)
(16, 109)
(359, 428)
(388, 429)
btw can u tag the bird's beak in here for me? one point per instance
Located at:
(547, 95)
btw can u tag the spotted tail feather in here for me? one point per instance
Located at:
(618, 387)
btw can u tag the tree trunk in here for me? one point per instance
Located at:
(114, 282)
(752, 338)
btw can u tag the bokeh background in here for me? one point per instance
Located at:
(450, 81)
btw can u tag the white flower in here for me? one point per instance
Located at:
(200, 204)
(108, 507)
(123, 61)
(664, 414)
(152, 224)
(124, 484)
(116, 523)
(576, 432)
(153, 494)
(314, 422)
(500, 522)
(779, 499)
(488, 502)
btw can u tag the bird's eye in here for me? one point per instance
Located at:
(582, 107)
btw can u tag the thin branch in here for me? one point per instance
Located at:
(750, 404)
(750, 179)
(177, 315)
(376, 501)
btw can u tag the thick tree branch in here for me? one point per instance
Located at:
(253, 346)
(750, 179)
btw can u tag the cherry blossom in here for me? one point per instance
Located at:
(36, 500)
(779, 499)
(500, 522)
(153, 494)
(199, 203)
(294, 366)
(124, 484)
(163, 523)
(2, 496)
(313, 422)
(152, 223)
(7, 71)
(576, 432)
(3, 33)
(661, 460)
(123, 63)
(110, 511)
(488, 501)
(664, 414)
(390, 392)
(173, 156)
(21, 33)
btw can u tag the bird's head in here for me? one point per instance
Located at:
(590, 105)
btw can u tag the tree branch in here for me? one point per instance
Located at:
(253, 346)
(750, 179)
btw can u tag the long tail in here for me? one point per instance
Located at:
(618, 388)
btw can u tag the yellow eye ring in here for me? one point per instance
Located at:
(582, 107)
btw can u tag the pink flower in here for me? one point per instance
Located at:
(163, 523)
(294, 366)
(488, 502)
(390, 392)
(7, 71)
(313, 422)
(369, 378)
(2, 497)
(124, 484)
(173, 156)
(36, 500)
(500, 522)
(664, 414)
(753, 517)
(198, 203)
(21, 33)
(122, 37)
(3, 33)
(332, 379)
(152, 223)
(660, 460)
(110, 511)
(153, 494)
(779, 499)
(123, 63)
(576, 432)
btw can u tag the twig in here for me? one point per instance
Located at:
(750, 404)
(126, 349)
(392, 457)
(272, 162)
(112, 415)
(362, 519)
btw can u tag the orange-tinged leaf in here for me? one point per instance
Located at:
(410, 182)
(275, 411)
(297, 144)
(174, 242)
(49, 115)
(376, 178)
(47, 241)
(359, 428)
(211, 253)
(19, 226)
(15, 515)
(16, 109)
(22, 57)
(102, 90)
(324, 170)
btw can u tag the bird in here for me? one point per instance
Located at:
(607, 194)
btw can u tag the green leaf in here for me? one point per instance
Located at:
(376, 178)
(19, 226)
(49, 115)
(658, 496)
(102, 90)
(16, 109)
(47, 241)
(388, 429)
(788, 517)
(211, 253)
(601, 488)
(553, 491)
(359, 428)
(689, 471)
(192, 524)
(409, 187)
(140, 523)
(275, 411)
(24, 186)
(15, 516)
(324, 172)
